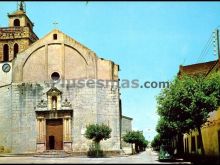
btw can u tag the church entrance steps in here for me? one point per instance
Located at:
(53, 154)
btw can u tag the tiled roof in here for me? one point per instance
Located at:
(17, 12)
(199, 68)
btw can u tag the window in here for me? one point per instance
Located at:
(16, 22)
(28, 25)
(16, 49)
(5, 53)
(193, 144)
(219, 140)
(55, 36)
(186, 145)
(55, 76)
(198, 142)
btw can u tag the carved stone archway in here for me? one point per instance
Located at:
(45, 112)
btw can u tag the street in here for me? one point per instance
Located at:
(146, 157)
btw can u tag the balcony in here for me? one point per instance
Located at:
(11, 29)
(22, 32)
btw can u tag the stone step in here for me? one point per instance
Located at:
(53, 154)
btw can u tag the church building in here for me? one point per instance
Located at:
(41, 108)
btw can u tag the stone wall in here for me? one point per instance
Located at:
(5, 116)
(5, 77)
(90, 105)
(210, 137)
(23, 128)
(109, 114)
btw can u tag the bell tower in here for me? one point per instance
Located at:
(18, 36)
(15, 38)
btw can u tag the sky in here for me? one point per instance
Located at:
(149, 40)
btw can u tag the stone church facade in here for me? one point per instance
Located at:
(40, 107)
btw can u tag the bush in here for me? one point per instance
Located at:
(97, 133)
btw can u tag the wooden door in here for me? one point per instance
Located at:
(54, 133)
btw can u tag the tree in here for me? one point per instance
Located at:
(145, 144)
(97, 133)
(156, 142)
(173, 120)
(137, 138)
(188, 102)
(170, 104)
(166, 128)
(141, 142)
(168, 131)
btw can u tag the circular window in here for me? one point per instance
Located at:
(55, 76)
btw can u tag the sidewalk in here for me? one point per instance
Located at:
(202, 160)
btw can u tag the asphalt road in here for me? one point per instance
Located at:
(146, 157)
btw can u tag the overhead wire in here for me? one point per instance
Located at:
(206, 49)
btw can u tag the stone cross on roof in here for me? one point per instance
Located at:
(55, 24)
(21, 6)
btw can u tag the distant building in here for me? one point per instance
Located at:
(126, 127)
(211, 129)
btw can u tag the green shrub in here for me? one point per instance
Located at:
(97, 133)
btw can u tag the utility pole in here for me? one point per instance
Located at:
(216, 43)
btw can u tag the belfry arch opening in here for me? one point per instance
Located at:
(16, 22)
(16, 49)
(6, 53)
